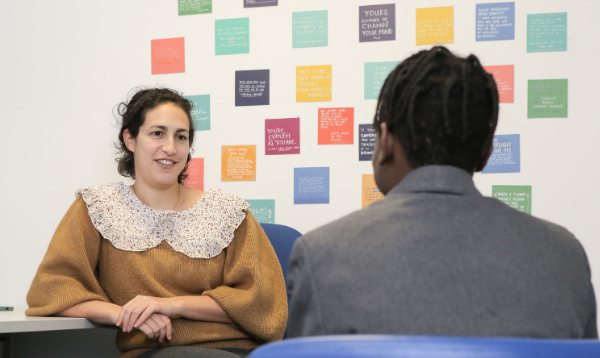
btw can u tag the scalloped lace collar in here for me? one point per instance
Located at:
(202, 231)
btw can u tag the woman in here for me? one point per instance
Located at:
(170, 265)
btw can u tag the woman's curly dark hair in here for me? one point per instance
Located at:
(133, 115)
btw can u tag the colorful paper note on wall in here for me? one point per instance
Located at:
(311, 185)
(547, 32)
(232, 36)
(194, 7)
(168, 56)
(435, 25)
(375, 75)
(313, 83)
(370, 191)
(366, 141)
(282, 136)
(263, 210)
(377, 23)
(515, 196)
(336, 125)
(506, 155)
(495, 21)
(259, 3)
(547, 98)
(252, 88)
(309, 29)
(505, 81)
(195, 173)
(201, 111)
(238, 163)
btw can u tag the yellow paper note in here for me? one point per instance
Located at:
(313, 83)
(435, 25)
(238, 163)
(370, 191)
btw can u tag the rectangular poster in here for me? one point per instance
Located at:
(259, 3)
(506, 155)
(515, 196)
(375, 75)
(309, 29)
(547, 98)
(336, 125)
(252, 88)
(232, 36)
(313, 83)
(370, 191)
(282, 136)
(366, 141)
(263, 210)
(238, 163)
(504, 76)
(435, 25)
(168, 55)
(201, 111)
(194, 7)
(547, 32)
(377, 23)
(495, 21)
(311, 185)
(195, 173)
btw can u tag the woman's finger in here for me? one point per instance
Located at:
(151, 308)
(147, 330)
(167, 321)
(154, 327)
(162, 326)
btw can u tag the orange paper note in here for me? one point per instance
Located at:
(238, 163)
(336, 125)
(195, 173)
(505, 81)
(168, 56)
(435, 25)
(370, 191)
(313, 83)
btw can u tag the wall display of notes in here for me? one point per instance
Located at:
(282, 136)
(547, 32)
(375, 75)
(194, 7)
(370, 191)
(336, 125)
(313, 83)
(168, 56)
(547, 98)
(435, 25)
(515, 196)
(263, 210)
(311, 185)
(232, 36)
(259, 3)
(238, 163)
(504, 76)
(495, 21)
(506, 155)
(366, 141)
(377, 23)
(195, 173)
(309, 29)
(200, 111)
(252, 88)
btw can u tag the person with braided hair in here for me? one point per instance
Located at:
(435, 257)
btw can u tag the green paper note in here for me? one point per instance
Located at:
(263, 210)
(232, 36)
(195, 7)
(547, 32)
(547, 98)
(375, 75)
(515, 196)
(309, 29)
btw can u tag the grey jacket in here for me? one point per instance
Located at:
(435, 257)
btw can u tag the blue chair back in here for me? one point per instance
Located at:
(282, 239)
(382, 346)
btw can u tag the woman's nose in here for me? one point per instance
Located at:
(169, 147)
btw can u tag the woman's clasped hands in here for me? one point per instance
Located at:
(148, 314)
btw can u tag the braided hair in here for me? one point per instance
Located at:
(442, 108)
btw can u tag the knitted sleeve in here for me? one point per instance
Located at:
(66, 275)
(253, 290)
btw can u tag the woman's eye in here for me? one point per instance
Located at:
(156, 133)
(181, 137)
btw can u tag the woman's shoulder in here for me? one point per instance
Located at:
(216, 197)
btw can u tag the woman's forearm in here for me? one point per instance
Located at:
(200, 308)
(96, 311)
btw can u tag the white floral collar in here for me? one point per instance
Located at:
(201, 231)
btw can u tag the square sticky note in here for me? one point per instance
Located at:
(377, 23)
(495, 21)
(263, 210)
(515, 196)
(504, 76)
(200, 111)
(282, 136)
(238, 163)
(547, 98)
(336, 125)
(195, 173)
(252, 88)
(311, 185)
(547, 32)
(309, 29)
(375, 75)
(435, 25)
(370, 191)
(313, 83)
(366, 141)
(194, 7)
(506, 155)
(168, 56)
(232, 36)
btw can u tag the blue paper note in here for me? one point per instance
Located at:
(495, 21)
(506, 155)
(311, 185)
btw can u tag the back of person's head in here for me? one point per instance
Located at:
(443, 109)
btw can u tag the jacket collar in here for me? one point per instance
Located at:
(437, 179)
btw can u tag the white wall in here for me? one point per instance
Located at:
(66, 64)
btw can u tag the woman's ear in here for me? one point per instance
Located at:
(386, 145)
(129, 140)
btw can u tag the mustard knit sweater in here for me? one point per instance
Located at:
(245, 279)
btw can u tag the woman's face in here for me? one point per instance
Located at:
(161, 148)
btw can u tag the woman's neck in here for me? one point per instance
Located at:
(165, 197)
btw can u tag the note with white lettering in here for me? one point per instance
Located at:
(506, 155)
(259, 3)
(495, 21)
(282, 136)
(311, 185)
(309, 29)
(195, 172)
(375, 75)
(504, 75)
(168, 55)
(515, 196)
(370, 191)
(194, 7)
(263, 210)
(366, 141)
(547, 98)
(547, 32)
(435, 25)
(252, 88)
(336, 126)
(200, 111)
(238, 163)
(313, 83)
(377, 23)
(232, 36)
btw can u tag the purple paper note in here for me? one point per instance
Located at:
(259, 3)
(377, 23)
(282, 136)
(252, 88)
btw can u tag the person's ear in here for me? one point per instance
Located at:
(129, 140)
(386, 145)
(484, 159)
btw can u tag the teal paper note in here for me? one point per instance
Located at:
(263, 210)
(232, 36)
(375, 75)
(309, 29)
(547, 98)
(547, 32)
(201, 111)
